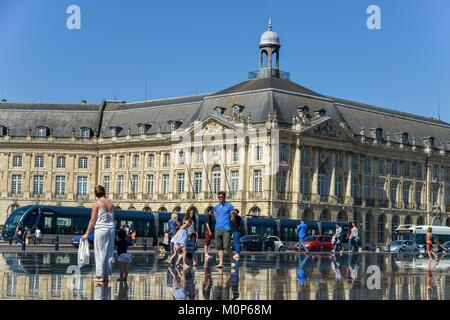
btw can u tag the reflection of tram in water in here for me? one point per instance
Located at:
(66, 222)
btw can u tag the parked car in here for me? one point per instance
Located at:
(317, 242)
(257, 243)
(279, 245)
(402, 246)
(76, 240)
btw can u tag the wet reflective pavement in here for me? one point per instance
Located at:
(259, 276)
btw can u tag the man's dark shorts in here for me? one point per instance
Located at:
(208, 238)
(223, 239)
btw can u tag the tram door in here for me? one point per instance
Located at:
(46, 222)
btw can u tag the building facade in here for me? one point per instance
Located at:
(278, 149)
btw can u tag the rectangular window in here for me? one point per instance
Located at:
(83, 163)
(394, 186)
(381, 192)
(165, 184)
(150, 180)
(282, 175)
(39, 162)
(338, 160)
(82, 186)
(258, 153)
(136, 161)
(434, 194)
(355, 162)
(283, 153)
(180, 182)
(368, 166)
(199, 156)
(257, 182)
(354, 188)
(447, 174)
(418, 194)
(367, 190)
(394, 168)
(304, 183)
(151, 160)
(407, 170)
(305, 157)
(339, 186)
(198, 183)
(234, 183)
(107, 163)
(322, 185)
(235, 155)
(120, 184)
(17, 161)
(381, 167)
(435, 172)
(121, 162)
(16, 184)
(38, 185)
(419, 174)
(181, 157)
(406, 193)
(134, 184)
(166, 160)
(60, 187)
(106, 181)
(61, 162)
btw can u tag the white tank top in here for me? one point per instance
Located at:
(105, 219)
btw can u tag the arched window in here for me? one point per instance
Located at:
(264, 59)
(394, 225)
(146, 208)
(436, 222)
(177, 209)
(118, 208)
(162, 209)
(283, 212)
(216, 179)
(380, 228)
(408, 220)
(14, 206)
(325, 215)
(420, 221)
(342, 216)
(255, 211)
(368, 228)
(308, 214)
(131, 208)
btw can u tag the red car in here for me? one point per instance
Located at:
(317, 242)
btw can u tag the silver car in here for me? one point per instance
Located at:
(402, 246)
(279, 245)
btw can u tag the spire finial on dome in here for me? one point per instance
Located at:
(270, 23)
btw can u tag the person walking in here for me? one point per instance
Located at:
(103, 223)
(338, 238)
(192, 229)
(38, 235)
(222, 211)
(429, 238)
(354, 238)
(172, 228)
(209, 216)
(302, 230)
(235, 228)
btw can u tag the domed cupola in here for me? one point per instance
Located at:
(269, 46)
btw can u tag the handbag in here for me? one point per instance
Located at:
(83, 253)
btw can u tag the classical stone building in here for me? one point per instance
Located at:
(277, 148)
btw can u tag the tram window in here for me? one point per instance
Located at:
(48, 226)
(142, 228)
(64, 225)
(30, 219)
(80, 224)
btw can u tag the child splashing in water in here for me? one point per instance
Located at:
(122, 255)
(180, 240)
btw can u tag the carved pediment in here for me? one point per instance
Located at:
(328, 128)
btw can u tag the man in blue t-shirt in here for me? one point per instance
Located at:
(222, 211)
(302, 230)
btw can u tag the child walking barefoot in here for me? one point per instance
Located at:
(122, 255)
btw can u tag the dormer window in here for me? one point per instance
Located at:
(320, 113)
(174, 125)
(237, 110)
(219, 110)
(115, 130)
(143, 127)
(43, 132)
(86, 133)
(377, 134)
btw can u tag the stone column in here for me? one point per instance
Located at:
(26, 191)
(205, 185)
(242, 172)
(332, 195)
(48, 187)
(296, 176)
(314, 189)
(141, 188)
(429, 198)
(112, 177)
(348, 187)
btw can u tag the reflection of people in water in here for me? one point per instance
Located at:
(301, 275)
(189, 284)
(440, 250)
(353, 266)
(219, 291)
(207, 284)
(335, 266)
(235, 281)
(123, 290)
(429, 280)
(102, 291)
(178, 284)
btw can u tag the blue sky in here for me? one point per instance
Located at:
(190, 47)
